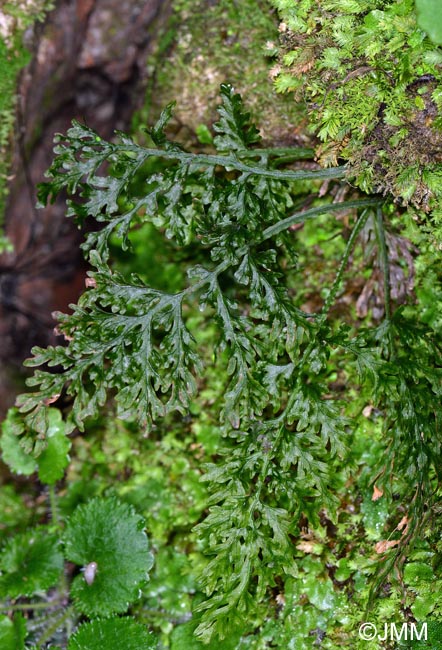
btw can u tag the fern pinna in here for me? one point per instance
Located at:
(235, 209)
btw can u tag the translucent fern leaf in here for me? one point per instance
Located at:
(235, 132)
(121, 324)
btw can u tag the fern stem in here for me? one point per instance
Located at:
(233, 162)
(54, 506)
(288, 158)
(291, 153)
(266, 463)
(344, 261)
(56, 519)
(16, 607)
(300, 217)
(210, 277)
(383, 255)
(50, 631)
(280, 420)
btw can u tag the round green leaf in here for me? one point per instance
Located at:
(13, 454)
(54, 458)
(12, 632)
(320, 594)
(107, 538)
(203, 134)
(7, 634)
(51, 462)
(343, 571)
(15, 514)
(429, 18)
(112, 633)
(423, 605)
(416, 572)
(30, 562)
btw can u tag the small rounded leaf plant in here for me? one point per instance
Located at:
(429, 18)
(50, 460)
(31, 562)
(107, 539)
(106, 634)
(12, 633)
(13, 453)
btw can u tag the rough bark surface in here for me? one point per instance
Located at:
(89, 63)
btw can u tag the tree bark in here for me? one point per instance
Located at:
(89, 63)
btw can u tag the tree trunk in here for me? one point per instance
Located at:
(89, 63)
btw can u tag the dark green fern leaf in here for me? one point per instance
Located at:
(282, 421)
(235, 132)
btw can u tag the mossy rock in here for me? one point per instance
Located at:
(210, 42)
(371, 81)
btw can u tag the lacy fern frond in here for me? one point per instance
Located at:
(132, 340)
(235, 209)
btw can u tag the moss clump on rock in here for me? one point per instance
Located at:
(208, 43)
(371, 81)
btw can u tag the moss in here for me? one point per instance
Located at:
(11, 62)
(14, 20)
(215, 42)
(371, 80)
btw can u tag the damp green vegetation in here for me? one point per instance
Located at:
(15, 18)
(11, 62)
(370, 79)
(240, 445)
(209, 43)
